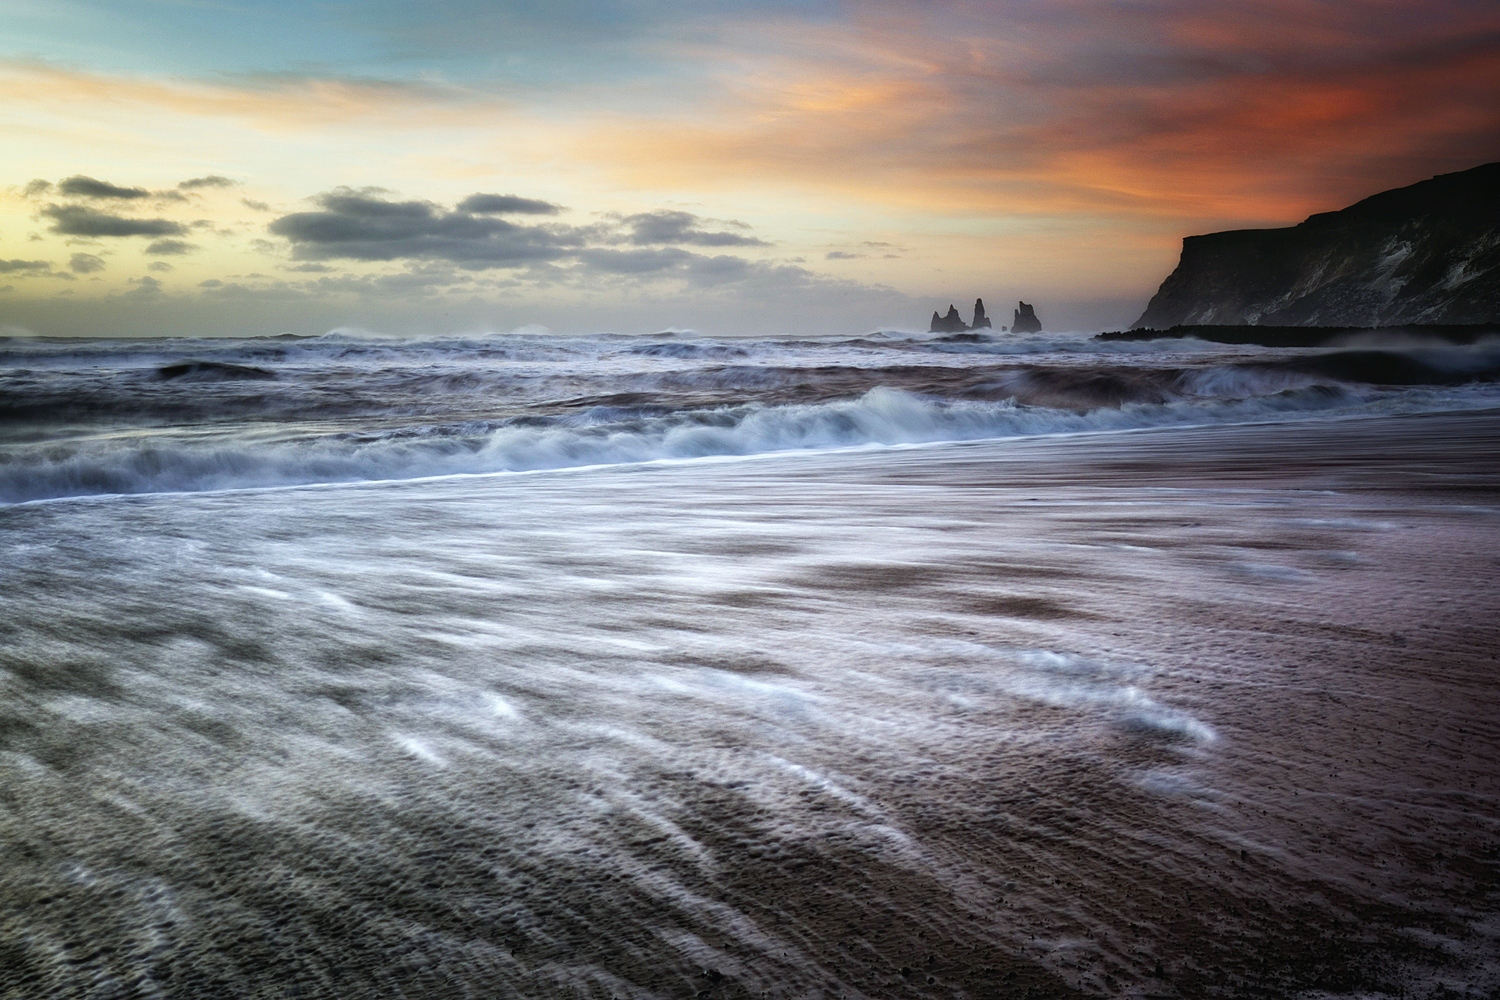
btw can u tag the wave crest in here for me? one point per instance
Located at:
(175, 461)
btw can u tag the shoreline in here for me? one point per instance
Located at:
(1184, 711)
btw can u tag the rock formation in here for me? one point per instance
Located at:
(951, 323)
(1026, 321)
(1428, 253)
(954, 323)
(1266, 335)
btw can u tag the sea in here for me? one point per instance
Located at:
(902, 665)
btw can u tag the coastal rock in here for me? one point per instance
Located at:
(951, 323)
(1026, 321)
(981, 321)
(954, 323)
(1428, 253)
(1265, 335)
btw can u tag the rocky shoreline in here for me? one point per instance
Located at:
(1311, 336)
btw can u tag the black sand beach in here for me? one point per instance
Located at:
(1174, 712)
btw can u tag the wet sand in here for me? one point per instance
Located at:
(1177, 713)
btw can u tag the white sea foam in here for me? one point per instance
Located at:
(525, 735)
(194, 415)
(169, 460)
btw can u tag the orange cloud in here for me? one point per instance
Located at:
(1256, 112)
(979, 134)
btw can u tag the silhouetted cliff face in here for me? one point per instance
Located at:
(1428, 253)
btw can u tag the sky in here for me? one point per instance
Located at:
(734, 167)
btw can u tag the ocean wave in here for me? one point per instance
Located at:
(353, 348)
(169, 460)
(348, 356)
(690, 350)
(381, 381)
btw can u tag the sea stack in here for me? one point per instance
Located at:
(1025, 321)
(954, 323)
(951, 323)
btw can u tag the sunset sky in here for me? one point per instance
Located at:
(236, 167)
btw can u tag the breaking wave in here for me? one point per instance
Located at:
(167, 460)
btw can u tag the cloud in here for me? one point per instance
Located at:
(258, 206)
(80, 186)
(419, 280)
(1262, 109)
(24, 266)
(562, 30)
(634, 261)
(724, 269)
(78, 220)
(441, 250)
(212, 180)
(694, 269)
(842, 255)
(668, 226)
(359, 224)
(356, 226)
(499, 204)
(171, 248)
(269, 100)
(36, 187)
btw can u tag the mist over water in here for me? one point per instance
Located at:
(943, 686)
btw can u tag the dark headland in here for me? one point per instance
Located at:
(1422, 260)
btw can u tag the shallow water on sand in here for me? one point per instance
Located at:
(1176, 712)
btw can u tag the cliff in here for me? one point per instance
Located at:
(1428, 253)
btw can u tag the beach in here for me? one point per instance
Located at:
(1167, 711)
